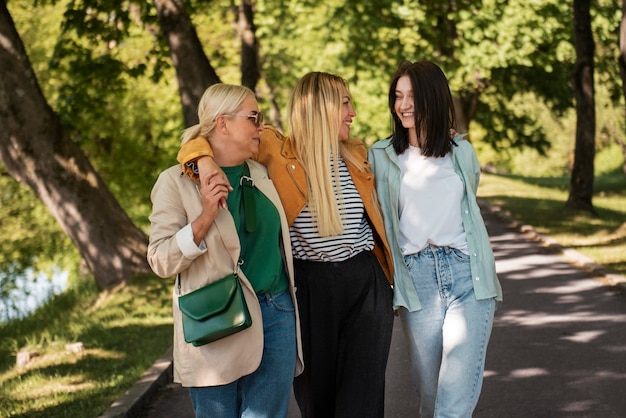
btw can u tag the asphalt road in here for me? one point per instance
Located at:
(558, 347)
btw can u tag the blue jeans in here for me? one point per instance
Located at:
(266, 392)
(448, 337)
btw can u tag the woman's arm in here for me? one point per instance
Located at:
(196, 159)
(213, 191)
(192, 151)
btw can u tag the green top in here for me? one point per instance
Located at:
(261, 249)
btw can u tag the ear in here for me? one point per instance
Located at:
(221, 124)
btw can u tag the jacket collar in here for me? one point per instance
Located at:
(287, 149)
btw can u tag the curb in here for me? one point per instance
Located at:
(599, 272)
(132, 402)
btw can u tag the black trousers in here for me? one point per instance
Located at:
(346, 317)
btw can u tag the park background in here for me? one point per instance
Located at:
(119, 81)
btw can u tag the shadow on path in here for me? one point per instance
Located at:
(558, 346)
(559, 341)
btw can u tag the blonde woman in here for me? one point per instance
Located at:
(342, 261)
(250, 373)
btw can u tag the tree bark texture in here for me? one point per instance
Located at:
(581, 181)
(622, 70)
(193, 69)
(621, 61)
(250, 66)
(36, 151)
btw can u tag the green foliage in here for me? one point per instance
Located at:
(606, 15)
(494, 51)
(129, 128)
(214, 21)
(107, 74)
(557, 160)
(92, 42)
(123, 332)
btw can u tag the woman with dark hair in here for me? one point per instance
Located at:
(445, 284)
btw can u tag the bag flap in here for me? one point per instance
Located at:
(210, 299)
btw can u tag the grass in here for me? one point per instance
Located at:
(123, 332)
(126, 329)
(539, 202)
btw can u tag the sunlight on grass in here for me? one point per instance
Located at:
(58, 386)
(540, 203)
(51, 356)
(130, 328)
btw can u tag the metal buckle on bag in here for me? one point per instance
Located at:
(237, 267)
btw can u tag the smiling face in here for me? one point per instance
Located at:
(347, 114)
(405, 105)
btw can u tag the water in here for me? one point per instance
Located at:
(31, 292)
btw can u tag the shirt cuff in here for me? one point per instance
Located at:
(184, 239)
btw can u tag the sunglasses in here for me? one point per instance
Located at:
(256, 118)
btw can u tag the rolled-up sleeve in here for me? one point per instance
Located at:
(171, 248)
(184, 239)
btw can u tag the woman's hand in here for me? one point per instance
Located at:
(206, 166)
(454, 133)
(214, 188)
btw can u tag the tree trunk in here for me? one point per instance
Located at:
(36, 151)
(193, 69)
(622, 70)
(581, 181)
(250, 66)
(465, 105)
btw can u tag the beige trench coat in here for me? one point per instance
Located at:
(176, 202)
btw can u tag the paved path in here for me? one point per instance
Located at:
(558, 347)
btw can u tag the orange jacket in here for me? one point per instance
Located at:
(276, 152)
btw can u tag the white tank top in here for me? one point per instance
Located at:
(429, 203)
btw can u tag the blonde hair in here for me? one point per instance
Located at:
(315, 115)
(218, 99)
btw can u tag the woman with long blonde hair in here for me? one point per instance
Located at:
(343, 267)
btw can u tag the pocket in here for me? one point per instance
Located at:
(283, 302)
(460, 255)
(409, 261)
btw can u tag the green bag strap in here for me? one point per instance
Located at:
(247, 184)
(235, 272)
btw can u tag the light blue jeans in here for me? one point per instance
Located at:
(448, 337)
(266, 392)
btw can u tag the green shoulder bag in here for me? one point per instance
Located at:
(214, 311)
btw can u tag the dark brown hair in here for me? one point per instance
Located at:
(434, 109)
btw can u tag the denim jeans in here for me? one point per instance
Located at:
(448, 337)
(266, 392)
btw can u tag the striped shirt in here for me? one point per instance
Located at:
(357, 235)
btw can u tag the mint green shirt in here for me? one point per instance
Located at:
(386, 168)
